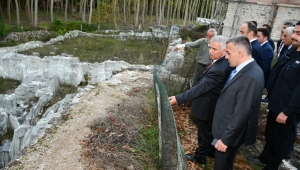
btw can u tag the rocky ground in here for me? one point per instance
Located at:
(62, 147)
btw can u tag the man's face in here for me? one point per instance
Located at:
(286, 38)
(215, 51)
(209, 36)
(296, 37)
(232, 55)
(260, 37)
(244, 30)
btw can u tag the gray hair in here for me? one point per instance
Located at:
(242, 42)
(220, 39)
(213, 30)
(289, 30)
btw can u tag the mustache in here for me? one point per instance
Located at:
(294, 39)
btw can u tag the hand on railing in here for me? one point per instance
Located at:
(172, 100)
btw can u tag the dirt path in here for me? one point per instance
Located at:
(60, 149)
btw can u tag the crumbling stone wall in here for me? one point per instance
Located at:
(260, 11)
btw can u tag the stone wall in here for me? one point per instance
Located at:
(262, 13)
(238, 13)
(284, 13)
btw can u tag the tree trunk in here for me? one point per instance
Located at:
(178, 10)
(115, 17)
(151, 11)
(83, 12)
(174, 12)
(66, 11)
(143, 12)
(17, 13)
(157, 11)
(36, 13)
(136, 22)
(8, 11)
(124, 11)
(32, 12)
(186, 12)
(91, 11)
(163, 12)
(51, 10)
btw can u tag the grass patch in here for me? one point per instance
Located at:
(8, 85)
(99, 49)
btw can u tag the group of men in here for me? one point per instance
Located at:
(227, 90)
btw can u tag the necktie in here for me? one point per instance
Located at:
(231, 75)
(207, 67)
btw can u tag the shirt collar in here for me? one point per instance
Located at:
(263, 43)
(241, 66)
(253, 39)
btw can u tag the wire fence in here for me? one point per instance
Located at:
(172, 155)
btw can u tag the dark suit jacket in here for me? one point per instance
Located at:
(236, 115)
(204, 95)
(267, 54)
(286, 92)
(276, 68)
(284, 48)
(271, 43)
(256, 52)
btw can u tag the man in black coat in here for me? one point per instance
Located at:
(284, 107)
(204, 96)
(236, 115)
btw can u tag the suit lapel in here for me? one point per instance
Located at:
(207, 70)
(239, 74)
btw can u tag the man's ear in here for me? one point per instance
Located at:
(224, 51)
(240, 54)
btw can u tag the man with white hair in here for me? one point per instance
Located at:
(202, 57)
(204, 97)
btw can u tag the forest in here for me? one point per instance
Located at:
(118, 13)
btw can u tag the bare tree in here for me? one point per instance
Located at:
(17, 13)
(124, 10)
(91, 11)
(174, 12)
(186, 12)
(8, 11)
(143, 12)
(83, 12)
(136, 11)
(66, 11)
(151, 11)
(51, 10)
(115, 17)
(36, 13)
(32, 12)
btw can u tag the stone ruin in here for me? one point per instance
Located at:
(41, 79)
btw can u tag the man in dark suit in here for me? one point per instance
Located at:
(249, 30)
(284, 107)
(204, 96)
(267, 51)
(269, 39)
(287, 41)
(236, 114)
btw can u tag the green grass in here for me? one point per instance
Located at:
(147, 141)
(99, 49)
(7, 85)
